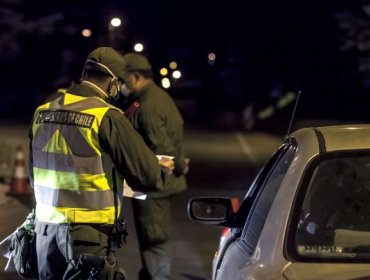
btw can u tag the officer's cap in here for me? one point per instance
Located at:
(109, 60)
(136, 62)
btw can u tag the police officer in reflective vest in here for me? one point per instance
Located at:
(81, 150)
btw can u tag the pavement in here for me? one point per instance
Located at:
(223, 163)
(3, 197)
(13, 211)
(191, 253)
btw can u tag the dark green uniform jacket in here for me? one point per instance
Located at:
(160, 124)
(131, 157)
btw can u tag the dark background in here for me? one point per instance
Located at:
(263, 50)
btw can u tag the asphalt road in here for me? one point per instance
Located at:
(222, 163)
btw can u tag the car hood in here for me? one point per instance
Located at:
(311, 271)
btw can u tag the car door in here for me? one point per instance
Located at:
(237, 253)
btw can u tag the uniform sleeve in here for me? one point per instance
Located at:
(130, 155)
(153, 126)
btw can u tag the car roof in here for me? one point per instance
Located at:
(336, 138)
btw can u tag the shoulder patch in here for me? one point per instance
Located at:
(65, 117)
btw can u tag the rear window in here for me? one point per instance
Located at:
(334, 217)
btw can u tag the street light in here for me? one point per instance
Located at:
(112, 34)
(138, 47)
(176, 74)
(86, 32)
(163, 71)
(211, 58)
(173, 65)
(166, 83)
(115, 22)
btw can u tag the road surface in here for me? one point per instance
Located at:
(222, 163)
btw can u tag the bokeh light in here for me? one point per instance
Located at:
(163, 71)
(166, 83)
(86, 32)
(176, 74)
(173, 65)
(115, 22)
(211, 56)
(138, 47)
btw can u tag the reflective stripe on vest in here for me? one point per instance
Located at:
(72, 174)
(73, 199)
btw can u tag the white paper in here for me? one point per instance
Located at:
(4, 250)
(128, 192)
(28, 224)
(10, 266)
(5, 244)
(160, 156)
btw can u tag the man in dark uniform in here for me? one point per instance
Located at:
(160, 124)
(81, 150)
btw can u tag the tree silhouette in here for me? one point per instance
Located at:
(19, 23)
(356, 27)
(37, 45)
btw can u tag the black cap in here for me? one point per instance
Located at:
(135, 62)
(110, 60)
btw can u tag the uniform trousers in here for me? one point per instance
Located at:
(59, 247)
(152, 220)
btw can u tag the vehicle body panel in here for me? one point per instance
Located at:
(270, 259)
(314, 271)
(345, 137)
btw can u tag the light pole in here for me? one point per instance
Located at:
(112, 30)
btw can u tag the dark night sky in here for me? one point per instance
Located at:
(295, 43)
(258, 44)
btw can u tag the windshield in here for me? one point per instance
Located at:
(334, 221)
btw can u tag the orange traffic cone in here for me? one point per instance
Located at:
(19, 185)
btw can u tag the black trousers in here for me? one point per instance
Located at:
(59, 247)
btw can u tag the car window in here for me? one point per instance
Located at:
(334, 214)
(266, 191)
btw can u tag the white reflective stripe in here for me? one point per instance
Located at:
(74, 199)
(68, 163)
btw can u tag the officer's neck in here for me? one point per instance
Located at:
(96, 88)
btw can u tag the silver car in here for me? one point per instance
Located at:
(305, 216)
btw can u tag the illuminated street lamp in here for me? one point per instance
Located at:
(173, 65)
(115, 22)
(86, 32)
(166, 83)
(138, 47)
(163, 71)
(211, 58)
(113, 29)
(176, 74)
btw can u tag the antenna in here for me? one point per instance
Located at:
(294, 110)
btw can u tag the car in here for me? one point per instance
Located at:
(305, 216)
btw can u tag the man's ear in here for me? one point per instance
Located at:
(136, 76)
(131, 80)
(114, 83)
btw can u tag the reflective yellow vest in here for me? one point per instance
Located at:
(73, 176)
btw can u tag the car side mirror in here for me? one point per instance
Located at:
(210, 210)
